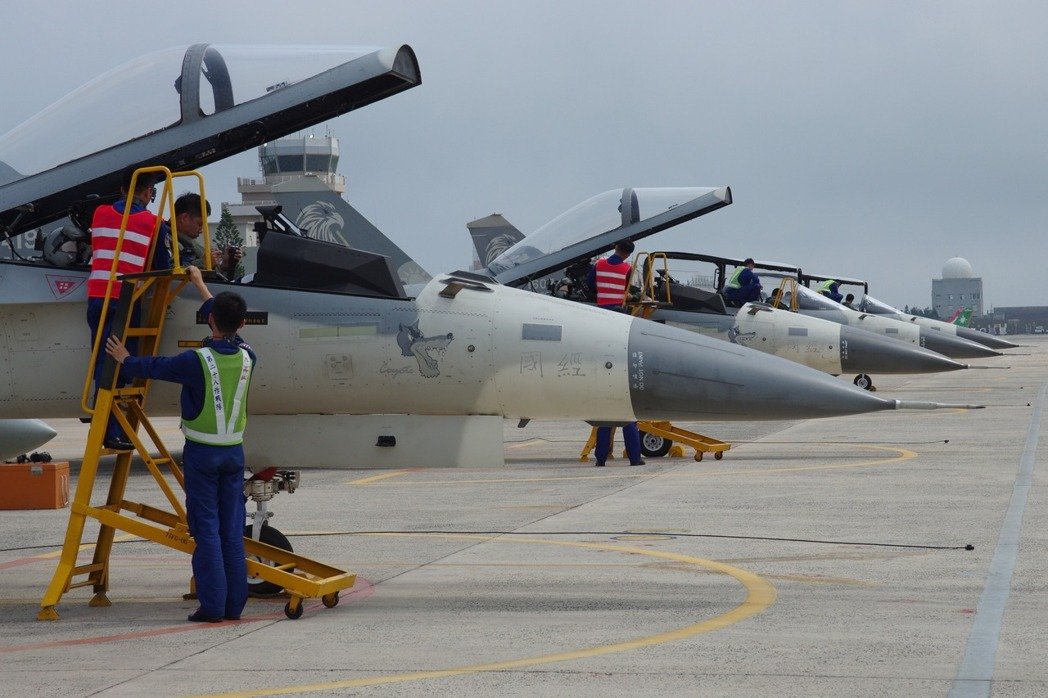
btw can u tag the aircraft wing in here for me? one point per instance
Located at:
(191, 107)
(595, 225)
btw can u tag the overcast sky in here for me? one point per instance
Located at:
(866, 139)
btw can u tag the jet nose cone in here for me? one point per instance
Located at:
(866, 352)
(954, 347)
(987, 340)
(679, 375)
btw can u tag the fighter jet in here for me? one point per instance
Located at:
(869, 304)
(353, 367)
(808, 302)
(826, 346)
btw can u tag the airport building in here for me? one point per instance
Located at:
(957, 289)
(1021, 319)
(289, 166)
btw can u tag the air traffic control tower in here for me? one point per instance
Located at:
(957, 289)
(289, 166)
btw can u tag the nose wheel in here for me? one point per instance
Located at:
(653, 446)
(865, 382)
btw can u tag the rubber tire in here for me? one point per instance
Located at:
(864, 381)
(269, 536)
(330, 600)
(294, 615)
(652, 446)
(718, 455)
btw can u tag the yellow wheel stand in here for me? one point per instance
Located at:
(701, 444)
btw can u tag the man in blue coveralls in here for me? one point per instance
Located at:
(744, 285)
(215, 382)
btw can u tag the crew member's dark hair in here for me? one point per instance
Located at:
(144, 181)
(229, 310)
(748, 260)
(190, 203)
(625, 246)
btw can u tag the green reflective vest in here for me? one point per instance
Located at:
(733, 282)
(826, 286)
(222, 420)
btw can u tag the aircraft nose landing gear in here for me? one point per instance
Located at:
(260, 488)
(865, 382)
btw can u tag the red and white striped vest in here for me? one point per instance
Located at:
(611, 281)
(105, 229)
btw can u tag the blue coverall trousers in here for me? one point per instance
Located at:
(94, 319)
(630, 434)
(215, 508)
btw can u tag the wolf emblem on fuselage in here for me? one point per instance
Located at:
(736, 336)
(413, 343)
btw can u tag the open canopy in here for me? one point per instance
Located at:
(183, 108)
(596, 224)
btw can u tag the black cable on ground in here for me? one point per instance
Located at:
(967, 546)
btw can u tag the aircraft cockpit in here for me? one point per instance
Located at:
(808, 299)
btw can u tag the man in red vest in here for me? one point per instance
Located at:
(610, 278)
(134, 253)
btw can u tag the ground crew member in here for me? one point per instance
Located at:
(829, 288)
(610, 278)
(215, 382)
(134, 252)
(744, 285)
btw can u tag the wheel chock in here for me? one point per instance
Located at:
(676, 451)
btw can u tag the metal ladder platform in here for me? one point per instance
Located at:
(300, 576)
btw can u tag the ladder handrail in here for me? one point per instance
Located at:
(166, 198)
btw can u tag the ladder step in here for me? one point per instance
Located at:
(88, 569)
(142, 331)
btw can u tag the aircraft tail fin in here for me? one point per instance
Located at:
(492, 235)
(962, 317)
(324, 215)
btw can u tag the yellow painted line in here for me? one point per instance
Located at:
(529, 442)
(376, 478)
(87, 546)
(760, 594)
(904, 454)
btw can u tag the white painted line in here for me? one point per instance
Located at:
(975, 674)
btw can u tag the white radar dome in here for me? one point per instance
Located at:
(957, 268)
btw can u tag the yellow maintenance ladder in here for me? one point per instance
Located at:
(644, 307)
(301, 577)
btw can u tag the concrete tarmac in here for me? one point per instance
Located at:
(818, 558)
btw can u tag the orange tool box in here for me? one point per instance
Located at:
(34, 485)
